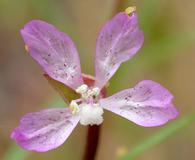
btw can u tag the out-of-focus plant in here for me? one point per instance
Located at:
(161, 135)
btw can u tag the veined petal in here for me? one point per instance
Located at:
(45, 130)
(147, 104)
(54, 51)
(118, 41)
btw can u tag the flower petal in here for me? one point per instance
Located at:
(118, 41)
(147, 104)
(45, 130)
(54, 51)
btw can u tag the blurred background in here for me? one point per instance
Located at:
(167, 56)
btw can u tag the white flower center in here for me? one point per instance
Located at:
(90, 112)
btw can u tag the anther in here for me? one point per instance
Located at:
(26, 48)
(130, 10)
(82, 89)
(74, 107)
(93, 92)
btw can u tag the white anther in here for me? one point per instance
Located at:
(89, 93)
(96, 91)
(93, 92)
(82, 89)
(74, 107)
(91, 114)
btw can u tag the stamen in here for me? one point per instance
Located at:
(26, 48)
(93, 92)
(130, 10)
(74, 107)
(90, 113)
(96, 91)
(82, 89)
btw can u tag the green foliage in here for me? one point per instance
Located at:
(160, 136)
(15, 153)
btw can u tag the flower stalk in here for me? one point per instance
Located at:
(94, 131)
(92, 142)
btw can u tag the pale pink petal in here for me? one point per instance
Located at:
(118, 41)
(147, 104)
(54, 51)
(45, 130)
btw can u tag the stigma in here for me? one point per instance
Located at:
(91, 114)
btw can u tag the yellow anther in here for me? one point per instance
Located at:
(129, 10)
(74, 107)
(73, 110)
(26, 48)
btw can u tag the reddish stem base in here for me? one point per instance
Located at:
(92, 142)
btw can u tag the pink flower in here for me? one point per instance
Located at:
(147, 104)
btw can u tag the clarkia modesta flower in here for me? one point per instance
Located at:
(147, 104)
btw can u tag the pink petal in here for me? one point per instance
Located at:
(44, 130)
(147, 104)
(118, 41)
(54, 51)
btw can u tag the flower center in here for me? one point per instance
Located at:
(91, 114)
(88, 109)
